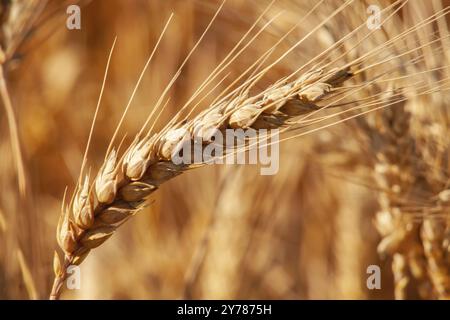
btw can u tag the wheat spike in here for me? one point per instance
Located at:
(122, 185)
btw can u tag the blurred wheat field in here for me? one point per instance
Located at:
(372, 190)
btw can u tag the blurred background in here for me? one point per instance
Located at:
(218, 232)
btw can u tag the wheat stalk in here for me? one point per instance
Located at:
(122, 185)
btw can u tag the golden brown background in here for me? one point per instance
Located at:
(221, 232)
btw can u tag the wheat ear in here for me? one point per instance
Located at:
(394, 170)
(122, 185)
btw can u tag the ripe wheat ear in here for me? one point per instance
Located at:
(123, 184)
